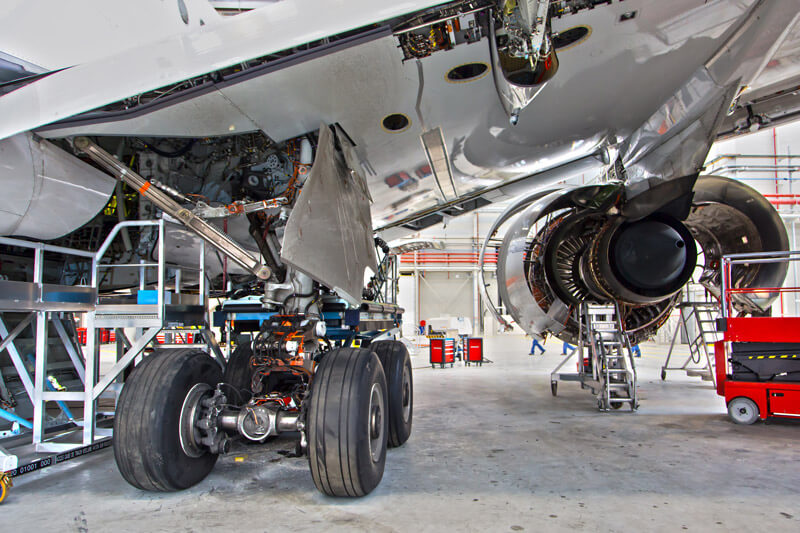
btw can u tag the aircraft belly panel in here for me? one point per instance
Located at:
(606, 88)
(360, 84)
(206, 115)
(148, 67)
(104, 27)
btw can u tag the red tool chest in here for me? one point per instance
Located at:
(474, 352)
(442, 352)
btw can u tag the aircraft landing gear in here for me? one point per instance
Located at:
(397, 367)
(178, 412)
(347, 423)
(153, 447)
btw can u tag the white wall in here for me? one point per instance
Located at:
(775, 142)
(760, 173)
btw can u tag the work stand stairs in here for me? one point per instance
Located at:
(697, 321)
(607, 368)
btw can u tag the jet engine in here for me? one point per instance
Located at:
(594, 244)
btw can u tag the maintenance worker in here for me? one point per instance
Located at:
(566, 348)
(422, 327)
(636, 351)
(536, 344)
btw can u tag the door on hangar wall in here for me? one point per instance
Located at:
(445, 294)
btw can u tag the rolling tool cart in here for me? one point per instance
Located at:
(442, 352)
(760, 375)
(474, 351)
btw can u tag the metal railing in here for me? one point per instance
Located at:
(42, 302)
(45, 309)
(728, 293)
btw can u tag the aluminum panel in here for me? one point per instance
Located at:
(512, 280)
(164, 61)
(329, 233)
(47, 192)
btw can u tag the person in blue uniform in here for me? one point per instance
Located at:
(566, 348)
(536, 344)
(636, 351)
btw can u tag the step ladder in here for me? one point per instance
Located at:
(607, 368)
(698, 321)
(611, 350)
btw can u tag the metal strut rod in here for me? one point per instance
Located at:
(206, 231)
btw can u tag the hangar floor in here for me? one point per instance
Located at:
(491, 450)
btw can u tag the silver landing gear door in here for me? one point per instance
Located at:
(329, 232)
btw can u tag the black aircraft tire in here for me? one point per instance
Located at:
(347, 423)
(146, 439)
(238, 373)
(396, 361)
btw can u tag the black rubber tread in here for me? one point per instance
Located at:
(393, 356)
(146, 443)
(238, 372)
(338, 423)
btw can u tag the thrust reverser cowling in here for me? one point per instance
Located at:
(573, 245)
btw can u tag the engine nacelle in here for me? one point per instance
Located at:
(577, 245)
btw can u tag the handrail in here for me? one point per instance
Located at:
(9, 241)
(161, 265)
(128, 223)
(39, 249)
(726, 291)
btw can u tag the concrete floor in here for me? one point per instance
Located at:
(491, 450)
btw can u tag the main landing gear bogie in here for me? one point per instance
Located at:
(178, 412)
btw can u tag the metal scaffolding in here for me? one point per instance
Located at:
(42, 443)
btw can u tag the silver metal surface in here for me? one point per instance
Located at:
(513, 209)
(127, 316)
(577, 113)
(439, 159)
(287, 421)
(190, 413)
(675, 140)
(329, 233)
(25, 296)
(512, 280)
(406, 398)
(75, 353)
(40, 376)
(8, 343)
(514, 98)
(376, 423)
(47, 192)
(729, 217)
(95, 390)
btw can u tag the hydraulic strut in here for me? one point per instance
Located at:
(162, 200)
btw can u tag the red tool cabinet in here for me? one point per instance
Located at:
(442, 352)
(474, 351)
